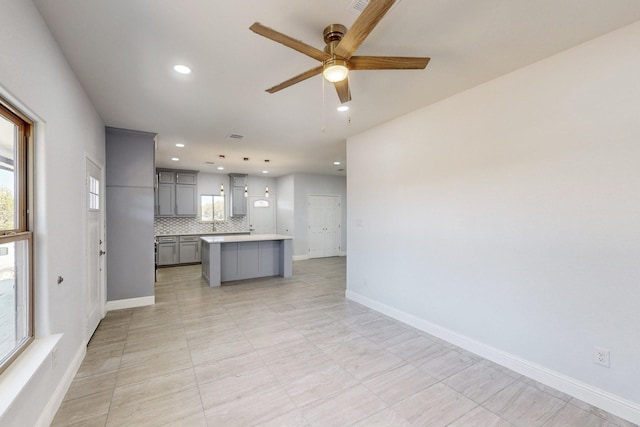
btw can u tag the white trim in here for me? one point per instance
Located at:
(19, 373)
(130, 303)
(300, 257)
(50, 410)
(602, 399)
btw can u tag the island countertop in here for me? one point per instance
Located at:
(244, 238)
(210, 233)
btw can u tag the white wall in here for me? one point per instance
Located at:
(508, 216)
(35, 76)
(285, 223)
(209, 183)
(305, 184)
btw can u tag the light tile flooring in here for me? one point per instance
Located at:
(293, 352)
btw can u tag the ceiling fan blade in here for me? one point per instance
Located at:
(294, 44)
(387, 63)
(297, 79)
(364, 24)
(342, 87)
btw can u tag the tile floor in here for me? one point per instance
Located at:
(293, 352)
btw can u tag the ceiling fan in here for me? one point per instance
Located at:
(337, 57)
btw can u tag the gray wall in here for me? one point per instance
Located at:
(129, 214)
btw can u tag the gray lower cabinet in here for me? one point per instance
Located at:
(173, 250)
(189, 249)
(168, 251)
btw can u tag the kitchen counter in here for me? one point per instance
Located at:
(211, 233)
(229, 258)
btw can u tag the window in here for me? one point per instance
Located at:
(211, 208)
(16, 309)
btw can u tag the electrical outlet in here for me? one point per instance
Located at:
(601, 356)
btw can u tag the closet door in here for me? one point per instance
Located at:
(324, 214)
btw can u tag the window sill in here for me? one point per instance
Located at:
(18, 375)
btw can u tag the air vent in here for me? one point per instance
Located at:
(209, 163)
(357, 6)
(234, 136)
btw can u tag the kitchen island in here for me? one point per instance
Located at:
(227, 258)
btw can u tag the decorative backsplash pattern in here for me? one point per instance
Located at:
(193, 225)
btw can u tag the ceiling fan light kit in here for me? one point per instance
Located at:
(335, 70)
(337, 58)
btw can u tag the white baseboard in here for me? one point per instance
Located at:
(130, 303)
(49, 412)
(602, 399)
(306, 257)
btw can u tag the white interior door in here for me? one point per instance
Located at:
(262, 215)
(315, 214)
(324, 216)
(94, 291)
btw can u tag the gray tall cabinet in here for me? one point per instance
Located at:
(130, 175)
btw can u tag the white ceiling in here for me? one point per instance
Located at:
(123, 52)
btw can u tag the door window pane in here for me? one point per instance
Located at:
(94, 194)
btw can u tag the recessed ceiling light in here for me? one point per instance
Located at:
(336, 163)
(182, 69)
(175, 159)
(220, 168)
(265, 171)
(180, 145)
(343, 108)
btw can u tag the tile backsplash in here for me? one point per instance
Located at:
(193, 225)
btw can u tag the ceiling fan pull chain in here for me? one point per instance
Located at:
(323, 106)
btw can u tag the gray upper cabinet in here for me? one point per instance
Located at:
(165, 200)
(186, 203)
(238, 199)
(176, 193)
(166, 177)
(186, 178)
